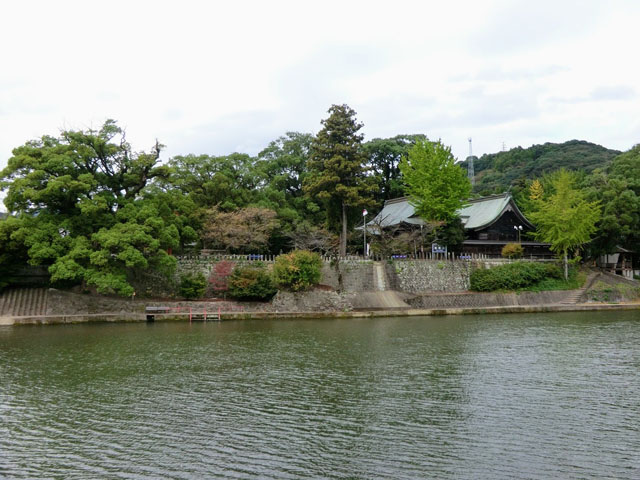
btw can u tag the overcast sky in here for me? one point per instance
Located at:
(217, 77)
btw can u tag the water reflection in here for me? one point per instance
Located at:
(528, 396)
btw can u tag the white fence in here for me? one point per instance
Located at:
(269, 258)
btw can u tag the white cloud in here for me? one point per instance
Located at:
(214, 77)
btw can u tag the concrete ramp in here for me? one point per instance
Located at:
(380, 300)
(379, 276)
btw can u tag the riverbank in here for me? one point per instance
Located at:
(185, 317)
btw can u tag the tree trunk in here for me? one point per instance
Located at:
(343, 235)
(566, 267)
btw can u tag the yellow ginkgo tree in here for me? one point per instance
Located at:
(565, 219)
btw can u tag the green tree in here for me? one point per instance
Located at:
(618, 190)
(565, 219)
(436, 186)
(337, 177)
(80, 210)
(383, 158)
(228, 181)
(281, 168)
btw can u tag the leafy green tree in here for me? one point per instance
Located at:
(565, 219)
(437, 187)
(383, 158)
(282, 168)
(227, 182)
(12, 252)
(79, 208)
(337, 177)
(618, 190)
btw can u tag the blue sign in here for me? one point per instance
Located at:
(435, 248)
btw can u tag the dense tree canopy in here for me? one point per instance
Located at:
(228, 181)
(96, 212)
(618, 190)
(79, 209)
(383, 158)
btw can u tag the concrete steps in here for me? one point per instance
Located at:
(574, 296)
(17, 302)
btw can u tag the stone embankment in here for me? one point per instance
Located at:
(353, 288)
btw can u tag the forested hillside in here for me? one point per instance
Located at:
(496, 172)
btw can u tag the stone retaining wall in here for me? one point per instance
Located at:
(467, 300)
(67, 303)
(313, 301)
(417, 276)
(357, 276)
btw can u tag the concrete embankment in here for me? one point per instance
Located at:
(184, 317)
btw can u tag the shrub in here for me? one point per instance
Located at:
(193, 285)
(513, 276)
(219, 277)
(298, 270)
(251, 282)
(512, 250)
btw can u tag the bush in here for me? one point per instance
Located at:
(251, 282)
(298, 270)
(513, 276)
(193, 285)
(512, 250)
(219, 277)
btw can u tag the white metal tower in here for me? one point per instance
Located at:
(470, 159)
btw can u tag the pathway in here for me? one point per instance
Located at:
(574, 296)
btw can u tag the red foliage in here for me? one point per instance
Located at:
(220, 274)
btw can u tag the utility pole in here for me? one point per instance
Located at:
(364, 232)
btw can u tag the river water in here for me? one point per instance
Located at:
(494, 396)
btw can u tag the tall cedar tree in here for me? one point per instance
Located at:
(337, 177)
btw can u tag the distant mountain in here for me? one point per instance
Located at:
(496, 172)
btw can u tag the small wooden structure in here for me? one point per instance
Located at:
(619, 262)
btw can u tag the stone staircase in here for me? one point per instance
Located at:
(575, 295)
(18, 302)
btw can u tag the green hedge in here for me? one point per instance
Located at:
(513, 276)
(251, 282)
